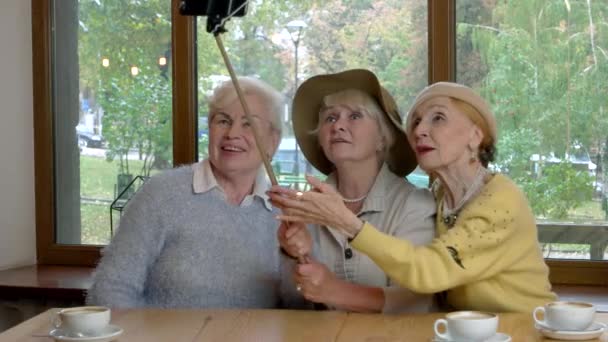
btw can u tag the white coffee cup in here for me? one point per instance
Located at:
(86, 320)
(574, 316)
(467, 326)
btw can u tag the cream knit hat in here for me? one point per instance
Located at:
(462, 93)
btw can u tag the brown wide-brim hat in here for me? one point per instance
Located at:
(307, 104)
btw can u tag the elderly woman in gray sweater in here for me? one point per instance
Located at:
(202, 235)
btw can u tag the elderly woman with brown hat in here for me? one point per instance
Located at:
(486, 255)
(348, 127)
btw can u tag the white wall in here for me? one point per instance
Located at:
(17, 211)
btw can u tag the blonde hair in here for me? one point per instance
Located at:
(225, 94)
(354, 99)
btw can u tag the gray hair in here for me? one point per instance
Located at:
(355, 99)
(225, 94)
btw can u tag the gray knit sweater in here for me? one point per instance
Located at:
(179, 249)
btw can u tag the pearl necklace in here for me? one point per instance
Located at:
(354, 200)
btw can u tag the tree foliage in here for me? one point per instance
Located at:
(137, 109)
(542, 66)
(387, 37)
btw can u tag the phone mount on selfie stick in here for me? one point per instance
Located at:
(218, 12)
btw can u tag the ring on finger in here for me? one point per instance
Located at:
(298, 287)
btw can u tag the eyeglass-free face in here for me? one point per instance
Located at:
(232, 147)
(441, 135)
(349, 135)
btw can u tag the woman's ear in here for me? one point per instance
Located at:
(476, 138)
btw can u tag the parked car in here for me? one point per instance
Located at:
(89, 139)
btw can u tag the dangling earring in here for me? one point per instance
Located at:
(380, 146)
(473, 157)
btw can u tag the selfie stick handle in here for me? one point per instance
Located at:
(302, 259)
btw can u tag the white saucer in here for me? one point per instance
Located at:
(595, 330)
(110, 333)
(499, 337)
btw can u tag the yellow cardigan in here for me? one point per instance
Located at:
(490, 260)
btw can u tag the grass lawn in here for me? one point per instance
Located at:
(590, 211)
(97, 183)
(95, 220)
(98, 176)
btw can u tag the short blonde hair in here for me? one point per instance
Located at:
(355, 99)
(225, 94)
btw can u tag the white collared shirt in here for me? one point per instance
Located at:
(204, 180)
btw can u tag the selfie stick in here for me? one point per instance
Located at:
(217, 30)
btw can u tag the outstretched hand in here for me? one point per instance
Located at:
(322, 205)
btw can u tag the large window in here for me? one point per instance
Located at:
(543, 65)
(121, 90)
(103, 116)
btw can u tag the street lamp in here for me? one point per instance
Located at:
(295, 28)
(134, 70)
(163, 62)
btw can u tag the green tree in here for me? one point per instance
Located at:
(383, 36)
(545, 64)
(137, 108)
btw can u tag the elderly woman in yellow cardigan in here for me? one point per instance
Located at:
(486, 254)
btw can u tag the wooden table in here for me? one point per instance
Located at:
(274, 325)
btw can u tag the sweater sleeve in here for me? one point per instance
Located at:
(120, 278)
(476, 248)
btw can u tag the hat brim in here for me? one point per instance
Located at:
(307, 104)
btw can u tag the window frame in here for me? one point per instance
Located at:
(183, 35)
(442, 67)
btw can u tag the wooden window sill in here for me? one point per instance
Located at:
(46, 282)
(72, 282)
